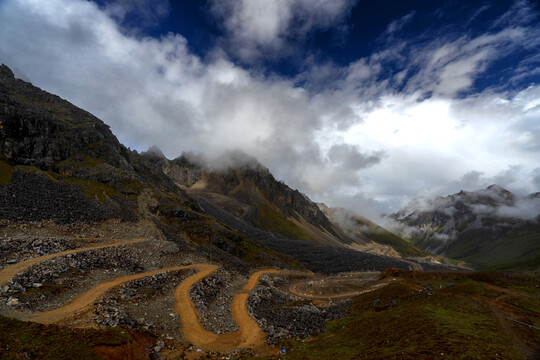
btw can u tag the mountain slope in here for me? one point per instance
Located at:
(369, 235)
(488, 227)
(247, 189)
(60, 163)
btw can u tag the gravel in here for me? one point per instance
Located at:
(266, 305)
(33, 197)
(19, 248)
(62, 273)
(213, 298)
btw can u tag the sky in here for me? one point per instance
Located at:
(363, 104)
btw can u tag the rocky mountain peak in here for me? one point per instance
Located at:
(497, 189)
(155, 151)
(6, 72)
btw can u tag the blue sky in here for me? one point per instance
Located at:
(360, 104)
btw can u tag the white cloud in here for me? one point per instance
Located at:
(257, 28)
(348, 136)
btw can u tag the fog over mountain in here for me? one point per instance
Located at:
(424, 104)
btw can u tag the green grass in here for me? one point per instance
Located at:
(270, 219)
(420, 327)
(519, 249)
(20, 340)
(6, 172)
(94, 189)
(385, 237)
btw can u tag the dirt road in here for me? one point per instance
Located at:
(11, 271)
(248, 335)
(85, 300)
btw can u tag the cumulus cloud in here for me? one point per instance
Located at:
(356, 136)
(352, 158)
(257, 28)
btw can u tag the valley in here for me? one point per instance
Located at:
(108, 253)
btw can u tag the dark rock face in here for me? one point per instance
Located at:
(252, 174)
(41, 129)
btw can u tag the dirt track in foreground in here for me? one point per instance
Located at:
(249, 334)
(11, 271)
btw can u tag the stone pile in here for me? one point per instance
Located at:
(16, 249)
(213, 298)
(277, 315)
(113, 308)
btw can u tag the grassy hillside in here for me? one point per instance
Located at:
(26, 340)
(454, 318)
(519, 249)
(384, 237)
(270, 219)
(6, 171)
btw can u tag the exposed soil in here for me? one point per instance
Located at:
(11, 271)
(248, 335)
(335, 287)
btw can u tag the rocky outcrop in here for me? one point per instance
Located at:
(41, 129)
(242, 177)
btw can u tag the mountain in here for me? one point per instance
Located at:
(369, 236)
(107, 253)
(490, 227)
(61, 163)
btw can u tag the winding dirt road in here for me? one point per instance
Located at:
(249, 334)
(85, 300)
(11, 271)
(294, 289)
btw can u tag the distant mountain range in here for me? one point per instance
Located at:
(487, 228)
(61, 163)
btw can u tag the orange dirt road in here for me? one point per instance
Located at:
(248, 335)
(11, 271)
(85, 300)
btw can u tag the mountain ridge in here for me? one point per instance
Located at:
(48, 142)
(475, 226)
